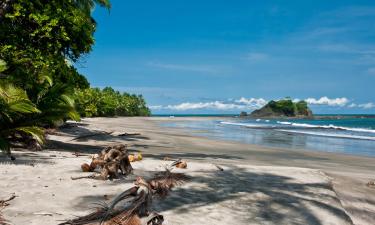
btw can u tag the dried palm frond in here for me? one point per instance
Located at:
(2, 220)
(93, 217)
(136, 202)
(163, 182)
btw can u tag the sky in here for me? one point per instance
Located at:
(220, 56)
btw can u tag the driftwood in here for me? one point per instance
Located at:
(130, 206)
(111, 160)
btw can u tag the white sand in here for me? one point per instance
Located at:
(241, 194)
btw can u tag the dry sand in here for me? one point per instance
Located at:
(259, 185)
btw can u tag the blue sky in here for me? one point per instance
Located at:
(219, 56)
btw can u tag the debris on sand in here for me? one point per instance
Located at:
(129, 134)
(133, 205)
(135, 157)
(179, 164)
(371, 183)
(219, 167)
(110, 160)
(3, 204)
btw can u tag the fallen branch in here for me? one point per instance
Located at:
(80, 154)
(4, 203)
(92, 176)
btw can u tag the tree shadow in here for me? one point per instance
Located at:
(81, 134)
(260, 198)
(245, 196)
(26, 158)
(72, 147)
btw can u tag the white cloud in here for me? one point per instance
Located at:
(156, 107)
(255, 102)
(369, 105)
(239, 104)
(205, 105)
(328, 101)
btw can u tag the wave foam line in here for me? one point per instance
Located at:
(330, 135)
(305, 125)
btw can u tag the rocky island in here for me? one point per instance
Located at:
(283, 108)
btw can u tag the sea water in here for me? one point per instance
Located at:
(348, 134)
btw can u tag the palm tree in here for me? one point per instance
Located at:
(15, 106)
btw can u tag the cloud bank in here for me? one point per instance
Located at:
(256, 103)
(328, 101)
(240, 104)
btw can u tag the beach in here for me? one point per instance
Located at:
(259, 184)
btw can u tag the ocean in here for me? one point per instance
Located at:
(347, 134)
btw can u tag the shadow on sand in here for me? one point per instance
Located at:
(256, 198)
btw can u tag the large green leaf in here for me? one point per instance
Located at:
(36, 132)
(23, 106)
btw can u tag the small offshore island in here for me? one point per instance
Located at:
(283, 108)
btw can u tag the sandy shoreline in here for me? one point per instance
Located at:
(259, 185)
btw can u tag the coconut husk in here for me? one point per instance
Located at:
(181, 165)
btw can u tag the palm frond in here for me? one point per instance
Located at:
(36, 133)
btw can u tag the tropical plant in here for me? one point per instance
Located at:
(108, 102)
(14, 126)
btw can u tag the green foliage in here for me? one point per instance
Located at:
(108, 102)
(16, 107)
(284, 107)
(302, 107)
(39, 40)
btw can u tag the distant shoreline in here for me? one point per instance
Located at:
(316, 116)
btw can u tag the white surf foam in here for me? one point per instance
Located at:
(305, 125)
(244, 124)
(329, 134)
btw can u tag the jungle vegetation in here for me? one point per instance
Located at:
(40, 42)
(284, 108)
